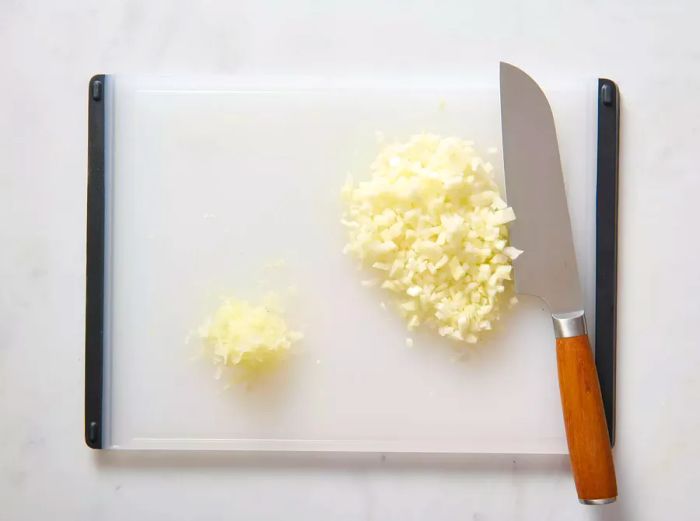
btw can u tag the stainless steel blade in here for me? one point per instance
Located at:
(535, 191)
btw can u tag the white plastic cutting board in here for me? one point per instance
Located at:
(208, 183)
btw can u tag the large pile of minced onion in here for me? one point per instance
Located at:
(251, 339)
(432, 226)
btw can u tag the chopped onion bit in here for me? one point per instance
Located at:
(251, 339)
(432, 225)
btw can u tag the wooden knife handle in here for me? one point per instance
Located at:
(586, 431)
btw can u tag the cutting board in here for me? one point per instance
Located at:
(228, 187)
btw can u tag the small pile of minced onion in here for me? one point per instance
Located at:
(431, 225)
(250, 339)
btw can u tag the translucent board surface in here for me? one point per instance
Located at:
(209, 184)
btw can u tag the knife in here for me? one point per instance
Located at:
(547, 269)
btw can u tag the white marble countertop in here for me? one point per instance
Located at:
(49, 52)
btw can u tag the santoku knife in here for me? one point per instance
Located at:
(547, 269)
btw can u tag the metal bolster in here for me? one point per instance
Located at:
(567, 325)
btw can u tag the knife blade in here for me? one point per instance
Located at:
(535, 187)
(547, 268)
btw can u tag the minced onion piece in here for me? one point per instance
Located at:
(248, 338)
(431, 224)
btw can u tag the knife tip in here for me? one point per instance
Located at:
(509, 67)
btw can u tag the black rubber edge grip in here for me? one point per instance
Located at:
(95, 267)
(606, 245)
